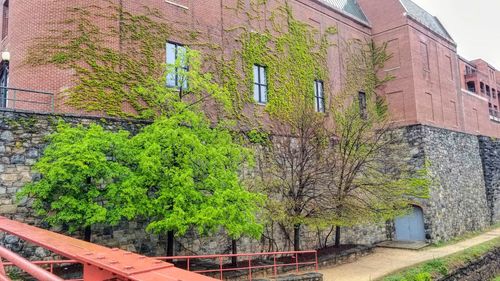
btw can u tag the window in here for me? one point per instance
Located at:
(176, 57)
(494, 93)
(5, 19)
(319, 96)
(362, 105)
(4, 81)
(425, 56)
(471, 86)
(260, 84)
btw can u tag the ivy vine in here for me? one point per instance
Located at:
(294, 54)
(112, 53)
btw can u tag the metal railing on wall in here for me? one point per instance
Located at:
(16, 99)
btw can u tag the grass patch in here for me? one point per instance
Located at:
(436, 268)
(465, 237)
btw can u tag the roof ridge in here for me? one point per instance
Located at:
(349, 7)
(422, 16)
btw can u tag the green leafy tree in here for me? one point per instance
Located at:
(191, 173)
(81, 174)
(373, 179)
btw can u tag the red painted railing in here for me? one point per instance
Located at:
(252, 262)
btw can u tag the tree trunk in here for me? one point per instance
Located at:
(296, 237)
(87, 233)
(170, 244)
(337, 236)
(234, 246)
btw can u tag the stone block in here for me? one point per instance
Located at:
(8, 209)
(17, 159)
(7, 136)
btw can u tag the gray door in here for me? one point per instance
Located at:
(411, 227)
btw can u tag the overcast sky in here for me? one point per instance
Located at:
(474, 25)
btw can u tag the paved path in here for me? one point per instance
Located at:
(385, 261)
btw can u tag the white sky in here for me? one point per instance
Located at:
(474, 25)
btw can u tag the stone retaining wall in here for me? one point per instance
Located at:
(490, 154)
(457, 203)
(21, 144)
(484, 268)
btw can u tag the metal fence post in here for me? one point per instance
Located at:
(250, 268)
(14, 100)
(297, 261)
(220, 267)
(275, 267)
(316, 255)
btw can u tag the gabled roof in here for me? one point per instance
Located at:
(349, 7)
(425, 18)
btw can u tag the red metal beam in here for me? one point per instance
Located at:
(24, 264)
(120, 264)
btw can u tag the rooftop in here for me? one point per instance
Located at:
(349, 7)
(425, 18)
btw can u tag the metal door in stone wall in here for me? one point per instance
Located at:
(411, 227)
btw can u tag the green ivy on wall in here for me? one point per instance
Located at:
(112, 53)
(294, 54)
(114, 66)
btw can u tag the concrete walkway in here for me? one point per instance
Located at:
(385, 261)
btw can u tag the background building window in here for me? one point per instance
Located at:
(176, 56)
(260, 84)
(319, 96)
(362, 105)
(5, 19)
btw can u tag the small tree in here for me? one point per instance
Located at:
(191, 173)
(81, 174)
(373, 179)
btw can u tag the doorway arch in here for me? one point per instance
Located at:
(411, 227)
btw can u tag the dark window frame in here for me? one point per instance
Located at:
(4, 83)
(260, 85)
(319, 96)
(362, 105)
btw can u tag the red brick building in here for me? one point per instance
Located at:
(431, 86)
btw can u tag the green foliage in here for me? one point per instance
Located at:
(107, 77)
(177, 173)
(294, 55)
(258, 137)
(82, 171)
(191, 173)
